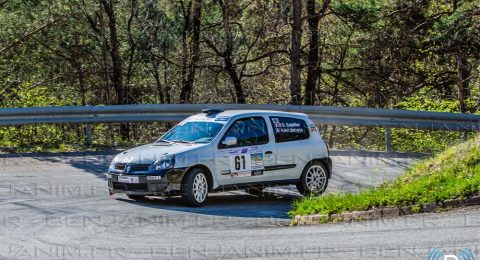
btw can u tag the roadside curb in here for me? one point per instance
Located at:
(385, 212)
(379, 154)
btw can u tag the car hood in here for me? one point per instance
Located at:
(147, 154)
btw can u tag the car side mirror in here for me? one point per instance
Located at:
(229, 141)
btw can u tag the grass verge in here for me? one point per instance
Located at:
(454, 173)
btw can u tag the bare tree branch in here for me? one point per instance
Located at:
(27, 35)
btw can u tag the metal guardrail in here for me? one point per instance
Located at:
(347, 116)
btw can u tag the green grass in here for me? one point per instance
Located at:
(455, 173)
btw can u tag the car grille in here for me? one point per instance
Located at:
(130, 186)
(120, 166)
(139, 167)
(133, 167)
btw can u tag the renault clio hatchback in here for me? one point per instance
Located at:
(224, 150)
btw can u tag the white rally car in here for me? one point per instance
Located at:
(224, 150)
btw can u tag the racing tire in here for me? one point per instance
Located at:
(314, 179)
(136, 197)
(195, 188)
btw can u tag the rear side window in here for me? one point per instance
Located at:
(248, 131)
(287, 129)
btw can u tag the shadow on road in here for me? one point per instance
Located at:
(95, 163)
(226, 205)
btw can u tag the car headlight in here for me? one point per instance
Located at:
(112, 164)
(166, 162)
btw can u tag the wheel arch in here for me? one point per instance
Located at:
(326, 161)
(205, 169)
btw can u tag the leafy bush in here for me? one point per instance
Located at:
(455, 173)
(414, 140)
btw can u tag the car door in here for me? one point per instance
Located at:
(251, 158)
(292, 144)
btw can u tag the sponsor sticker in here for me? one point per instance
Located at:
(243, 150)
(222, 118)
(257, 173)
(240, 174)
(127, 179)
(288, 125)
(245, 165)
(257, 161)
(154, 178)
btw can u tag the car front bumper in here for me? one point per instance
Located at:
(144, 184)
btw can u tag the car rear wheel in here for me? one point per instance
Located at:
(314, 179)
(195, 188)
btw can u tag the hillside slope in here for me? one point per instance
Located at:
(454, 173)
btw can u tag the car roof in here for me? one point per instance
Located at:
(239, 113)
(234, 113)
(225, 116)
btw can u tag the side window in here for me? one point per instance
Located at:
(287, 129)
(248, 131)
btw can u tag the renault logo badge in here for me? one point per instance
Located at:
(127, 168)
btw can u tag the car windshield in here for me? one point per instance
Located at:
(192, 132)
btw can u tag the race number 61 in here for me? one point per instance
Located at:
(240, 163)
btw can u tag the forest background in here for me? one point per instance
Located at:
(403, 54)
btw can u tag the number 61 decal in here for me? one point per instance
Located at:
(246, 162)
(240, 162)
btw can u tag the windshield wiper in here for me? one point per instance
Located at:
(165, 141)
(183, 141)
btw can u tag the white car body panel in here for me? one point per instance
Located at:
(283, 161)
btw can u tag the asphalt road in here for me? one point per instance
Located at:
(57, 207)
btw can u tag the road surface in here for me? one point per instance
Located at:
(56, 206)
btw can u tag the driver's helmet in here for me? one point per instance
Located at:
(238, 129)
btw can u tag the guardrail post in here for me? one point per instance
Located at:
(388, 139)
(88, 135)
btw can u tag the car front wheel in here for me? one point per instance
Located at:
(314, 179)
(195, 188)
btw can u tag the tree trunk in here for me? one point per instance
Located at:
(105, 78)
(331, 136)
(313, 70)
(132, 44)
(167, 94)
(340, 66)
(295, 52)
(185, 55)
(463, 78)
(117, 70)
(227, 56)
(314, 62)
(236, 81)
(158, 82)
(83, 93)
(185, 91)
(189, 74)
